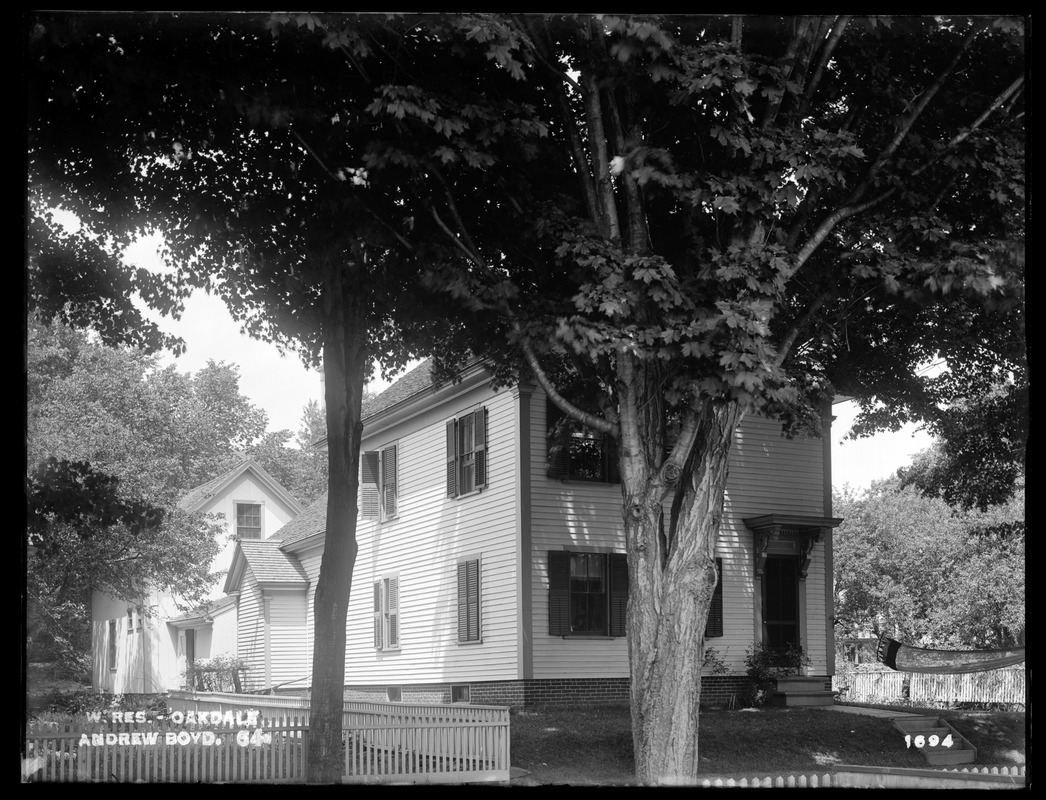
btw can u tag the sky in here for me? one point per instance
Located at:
(282, 386)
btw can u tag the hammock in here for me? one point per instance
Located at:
(903, 658)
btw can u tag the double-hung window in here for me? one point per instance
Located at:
(577, 453)
(248, 520)
(588, 593)
(467, 453)
(387, 613)
(468, 601)
(379, 492)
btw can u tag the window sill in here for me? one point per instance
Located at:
(589, 636)
(470, 643)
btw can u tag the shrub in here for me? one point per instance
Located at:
(713, 663)
(764, 665)
(218, 674)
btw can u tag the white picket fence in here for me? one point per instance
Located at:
(830, 779)
(396, 742)
(996, 686)
(384, 743)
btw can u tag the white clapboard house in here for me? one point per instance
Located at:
(144, 646)
(491, 563)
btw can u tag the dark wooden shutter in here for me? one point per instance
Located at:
(452, 459)
(468, 601)
(557, 440)
(378, 615)
(558, 593)
(613, 471)
(481, 448)
(388, 482)
(618, 593)
(369, 500)
(714, 626)
(392, 602)
(463, 602)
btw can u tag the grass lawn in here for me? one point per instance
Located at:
(594, 745)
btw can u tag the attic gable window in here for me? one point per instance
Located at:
(577, 453)
(467, 453)
(379, 483)
(248, 520)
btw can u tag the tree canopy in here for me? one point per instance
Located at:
(113, 441)
(934, 575)
(695, 217)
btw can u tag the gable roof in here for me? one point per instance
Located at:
(204, 612)
(268, 564)
(197, 498)
(415, 382)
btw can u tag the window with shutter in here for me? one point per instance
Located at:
(379, 490)
(714, 625)
(386, 614)
(467, 453)
(588, 593)
(468, 601)
(577, 453)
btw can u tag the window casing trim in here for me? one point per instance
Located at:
(260, 504)
(379, 483)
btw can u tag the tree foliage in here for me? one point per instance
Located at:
(927, 573)
(113, 441)
(162, 432)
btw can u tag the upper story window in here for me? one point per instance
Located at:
(379, 478)
(578, 453)
(248, 520)
(467, 453)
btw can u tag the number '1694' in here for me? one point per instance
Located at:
(933, 740)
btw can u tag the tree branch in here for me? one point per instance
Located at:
(905, 125)
(787, 63)
(822, 63)
(597, 141)
(564, 405)
(473, 257)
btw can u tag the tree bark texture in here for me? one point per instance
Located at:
(672, 578)
(344, 362)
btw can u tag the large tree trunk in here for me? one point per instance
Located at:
(672, 579)
(344, 362)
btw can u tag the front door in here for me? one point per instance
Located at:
(781, 602)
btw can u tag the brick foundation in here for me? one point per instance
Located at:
(717, 691)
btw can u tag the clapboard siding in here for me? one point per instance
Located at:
(250, 640)
(289, 635)
(423, 545)
(565, 515)
(768, 474)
